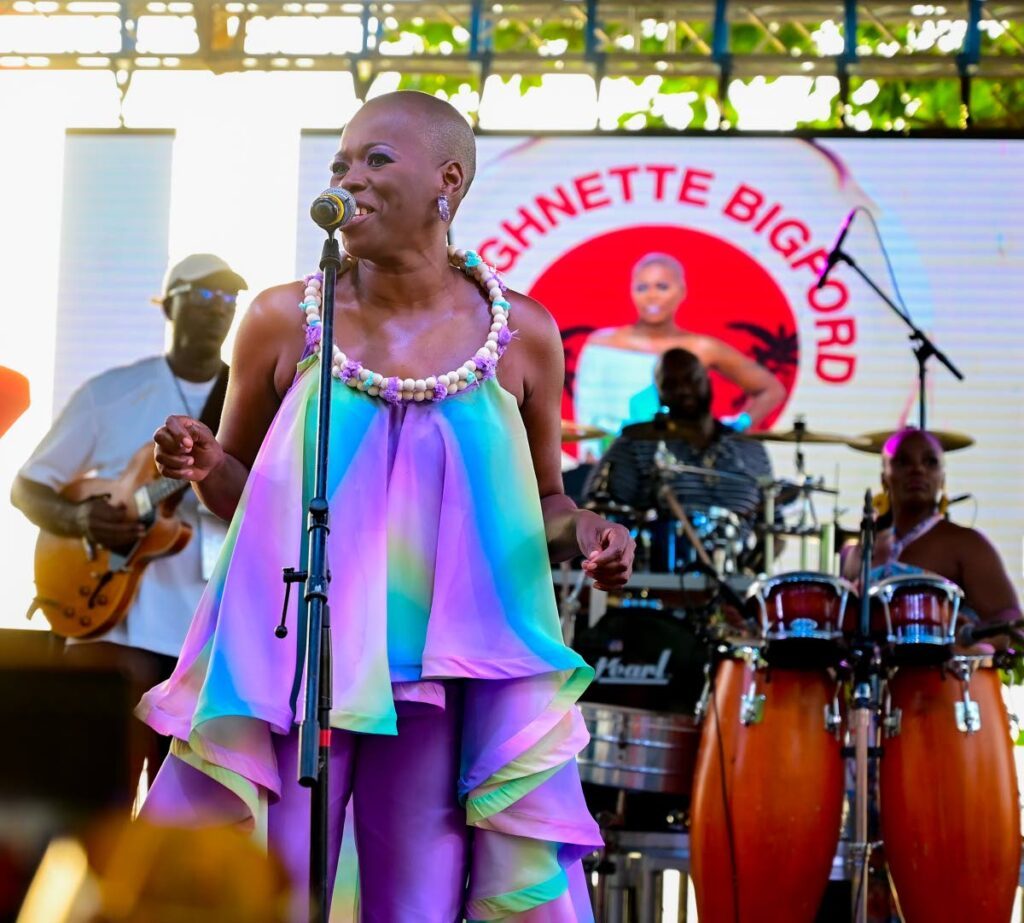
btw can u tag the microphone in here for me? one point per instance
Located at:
(333, 208)
(837, 248)
(970, 634)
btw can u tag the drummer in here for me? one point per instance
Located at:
(628, 474)
(915, 534)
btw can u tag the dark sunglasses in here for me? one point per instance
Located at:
(204, 297)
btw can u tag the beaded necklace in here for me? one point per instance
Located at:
(900, 542)
(396, 390)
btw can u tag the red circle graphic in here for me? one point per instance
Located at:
(729, 295)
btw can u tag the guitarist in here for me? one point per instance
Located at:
(102, 427)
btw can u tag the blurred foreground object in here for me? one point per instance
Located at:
(14, 397)
(140, 873)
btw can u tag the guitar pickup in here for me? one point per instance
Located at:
(144, 505)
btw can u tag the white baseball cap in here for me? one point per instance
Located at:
(202, 266)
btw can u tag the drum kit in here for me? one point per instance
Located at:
(832, 725)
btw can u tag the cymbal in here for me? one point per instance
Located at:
(949, 440)
(577, 432)
(806, 436)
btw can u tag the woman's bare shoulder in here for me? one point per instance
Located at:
(270, 338)
(532, 322)
(606, 336)
(277, 307)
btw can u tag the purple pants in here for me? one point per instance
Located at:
(411, 833)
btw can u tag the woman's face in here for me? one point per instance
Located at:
(393, 178)
(915, 473)
(657, 292)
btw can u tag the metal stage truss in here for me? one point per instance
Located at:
(530, 37)
(711, 42)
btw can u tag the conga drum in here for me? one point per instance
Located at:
(948, 794)
(768, 794)
(802, 614)
(919, 614)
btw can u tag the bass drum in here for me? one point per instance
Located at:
(948, 793)
(645, 655)
(767, 796)
(649, 672)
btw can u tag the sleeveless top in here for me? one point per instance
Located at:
(614, 386)
(440, 571)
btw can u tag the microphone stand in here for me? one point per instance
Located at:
(315, 729)
(924, 348)
(865, 708)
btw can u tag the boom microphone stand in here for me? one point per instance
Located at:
(924, 348)
(330, 210)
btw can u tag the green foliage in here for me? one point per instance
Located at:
(745, 38)
(901, 105)
(432, 83)
(998, 103)
(432, 33)
(1014, 674)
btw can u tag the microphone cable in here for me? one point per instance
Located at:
(888, 262)
(730, 833)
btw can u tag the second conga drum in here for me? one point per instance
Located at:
(768, 794)
(948, 791)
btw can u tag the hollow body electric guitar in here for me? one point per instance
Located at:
(84, 589)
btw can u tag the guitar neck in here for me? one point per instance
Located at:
(164, 488)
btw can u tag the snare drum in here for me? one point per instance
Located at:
(920, 615)
(637, 750)
(801, 613)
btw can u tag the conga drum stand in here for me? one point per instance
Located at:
(866, 662)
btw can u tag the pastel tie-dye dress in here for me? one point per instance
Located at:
(440, 571)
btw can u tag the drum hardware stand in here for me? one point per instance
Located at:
(569, 604)
(752, 701)
(701, 708)
(752, 705)
(968, 714)
(603, 864)
(769, 528)
(828, 554)
(807, 509)
(892, 718)
(834, 715)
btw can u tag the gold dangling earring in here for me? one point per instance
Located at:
(944, 504)
(881, 503)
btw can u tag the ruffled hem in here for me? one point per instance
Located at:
(521, 788)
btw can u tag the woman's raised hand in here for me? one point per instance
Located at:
(607, 548)
(186, 449)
